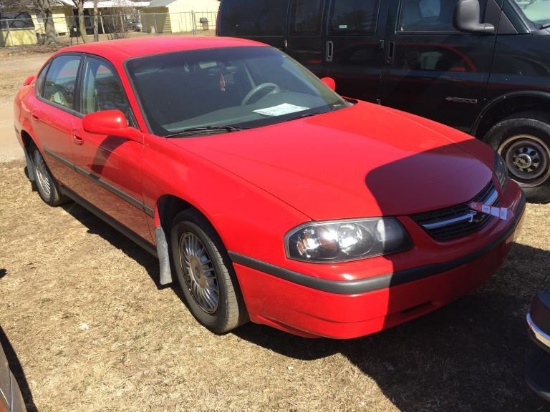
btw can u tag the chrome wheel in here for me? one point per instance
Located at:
(42, 175)
(205, 273)
(527, 159)
(199, 273)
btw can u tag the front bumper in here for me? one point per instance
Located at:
(538, 367)
(313, 307)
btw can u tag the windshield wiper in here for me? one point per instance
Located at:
(205, 130)
(303, 116)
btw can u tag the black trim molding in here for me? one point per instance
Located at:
(107, 186)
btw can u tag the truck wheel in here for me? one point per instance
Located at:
(205, 273)
(523, 141)
(44, 181)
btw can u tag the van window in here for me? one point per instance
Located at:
(254, 18)
(426, 15)
(306, 17)
(353, 16)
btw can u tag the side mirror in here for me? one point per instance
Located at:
(329, 81)
(28, 80)
(110, 122)
(467, 17)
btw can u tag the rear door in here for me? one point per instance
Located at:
(431, 69)
(354, 46)
(52, 112)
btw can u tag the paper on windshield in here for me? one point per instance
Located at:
(281, 109)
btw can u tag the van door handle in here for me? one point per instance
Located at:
(330, 51)
(391, 51)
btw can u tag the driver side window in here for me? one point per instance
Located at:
(426, 15)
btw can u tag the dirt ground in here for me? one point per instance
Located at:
(88, 328)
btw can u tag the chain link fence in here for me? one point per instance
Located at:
(26, 30)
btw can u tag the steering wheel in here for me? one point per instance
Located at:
(258, 88)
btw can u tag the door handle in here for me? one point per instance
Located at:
(330, 51)
(35, 116)
(391, 52)
(78, 140)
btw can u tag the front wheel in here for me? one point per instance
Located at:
(205, 273)
(523, 141)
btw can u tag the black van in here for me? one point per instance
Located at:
(482, 66)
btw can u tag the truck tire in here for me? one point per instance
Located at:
(523, 141)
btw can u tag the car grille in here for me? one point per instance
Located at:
(458, 221)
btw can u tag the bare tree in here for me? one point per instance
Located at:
(79, 4)
(96, 33)
(14, 5)
(45, 9)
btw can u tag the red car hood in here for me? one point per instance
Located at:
(362, 161)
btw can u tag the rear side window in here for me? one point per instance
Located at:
(253, 18)
(306, 17)
(60, 81)
(353, 16)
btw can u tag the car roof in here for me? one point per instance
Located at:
(123, 49)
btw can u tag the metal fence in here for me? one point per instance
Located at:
(114, 25)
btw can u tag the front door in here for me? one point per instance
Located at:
(109, 167)
(354, 46)
(432, 69)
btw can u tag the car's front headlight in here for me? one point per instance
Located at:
(501, 171)
(345, 240)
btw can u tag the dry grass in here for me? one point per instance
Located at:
(92, 331)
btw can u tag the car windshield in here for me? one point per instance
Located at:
(538, 11)
(225, 89)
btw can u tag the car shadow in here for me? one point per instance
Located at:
(96, 226)
(469, 355)
(17, 371)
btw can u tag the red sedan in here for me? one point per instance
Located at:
(267, 196)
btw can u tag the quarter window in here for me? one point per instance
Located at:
(60, 80)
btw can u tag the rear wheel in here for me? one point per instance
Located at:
(523, 141)
(44, 181)
(205, 273)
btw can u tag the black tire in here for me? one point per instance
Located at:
(205, 273)
(523, 141)
(44, 182)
